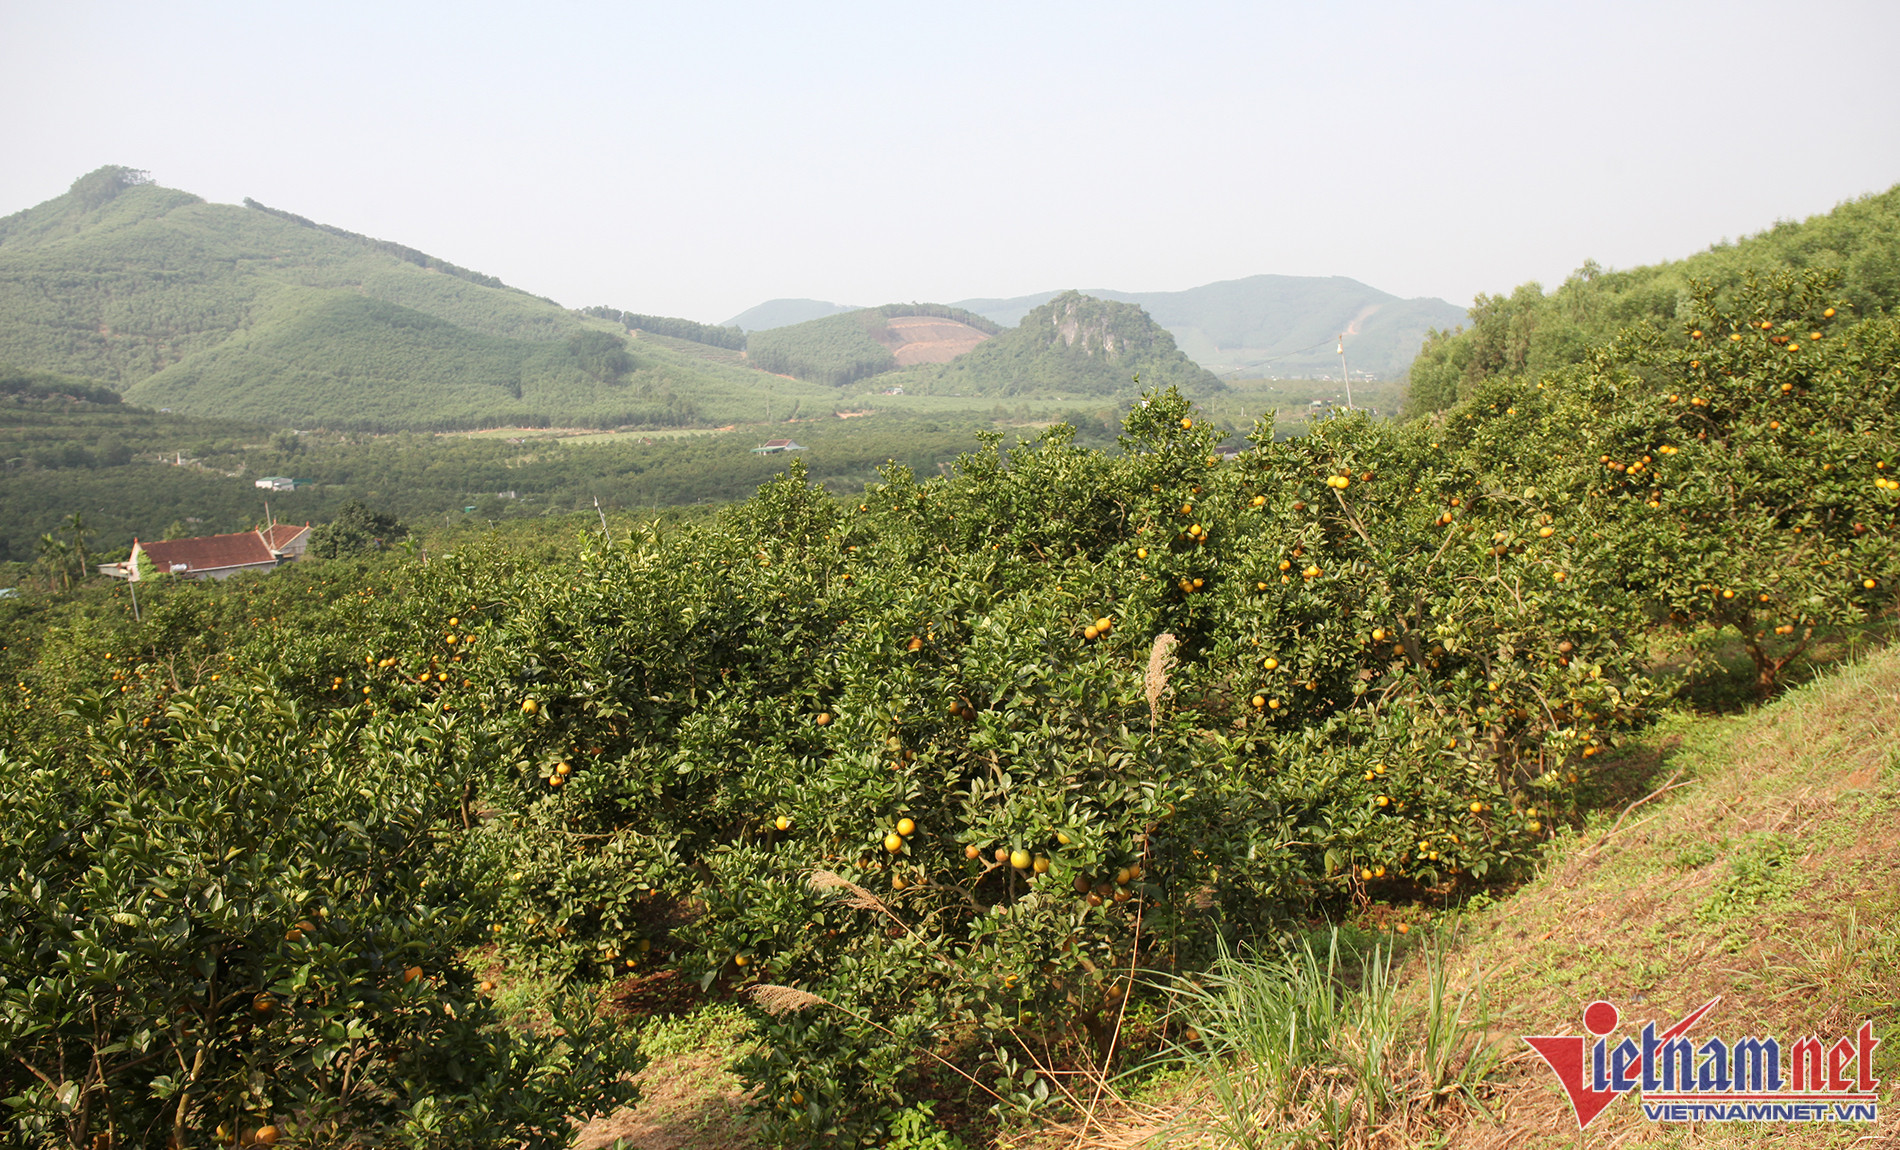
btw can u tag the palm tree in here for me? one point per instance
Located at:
(82, 559)
(56, 561)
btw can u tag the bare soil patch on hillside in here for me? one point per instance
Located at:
(915, 339)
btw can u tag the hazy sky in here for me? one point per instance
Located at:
(696, 158)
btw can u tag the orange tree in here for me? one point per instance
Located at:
(237, 923)
(967, 757)
(1737, 477)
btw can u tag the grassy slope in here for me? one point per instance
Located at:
(1769, 875)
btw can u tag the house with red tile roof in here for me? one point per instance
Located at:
(214, 556)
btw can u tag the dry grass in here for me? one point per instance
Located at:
(688, 1100)
(688, 1094)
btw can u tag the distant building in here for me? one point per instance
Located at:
(277, 483)
(215, 556)
(775, 446)
(287, 540)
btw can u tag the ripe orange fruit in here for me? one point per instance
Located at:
(1104, 624)
(1020, 859)
(1402, 928)
(972, 851)
(263, 1003)
(1089, 632)
(916, 644)
(1270, 663)
(783, 823)
(412, 974)
(824, 718)
(528, 706)
(1141, 552)
(906, 827)
(1186, 423)
(1041, 865)
(265, 1136)
(893, 842)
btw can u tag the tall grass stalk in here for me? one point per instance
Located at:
(1318, 1046)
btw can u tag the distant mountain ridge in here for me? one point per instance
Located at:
(1277, 325)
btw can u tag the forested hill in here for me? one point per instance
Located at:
(259, 314)
(1074, 345)
(841, 349)
(1271, 325)
(1530, 332)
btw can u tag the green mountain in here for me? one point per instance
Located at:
(1530, 332)
(1286, 326)
(775, 313)
(1073, 345)
(254, 313)
(842, 349)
